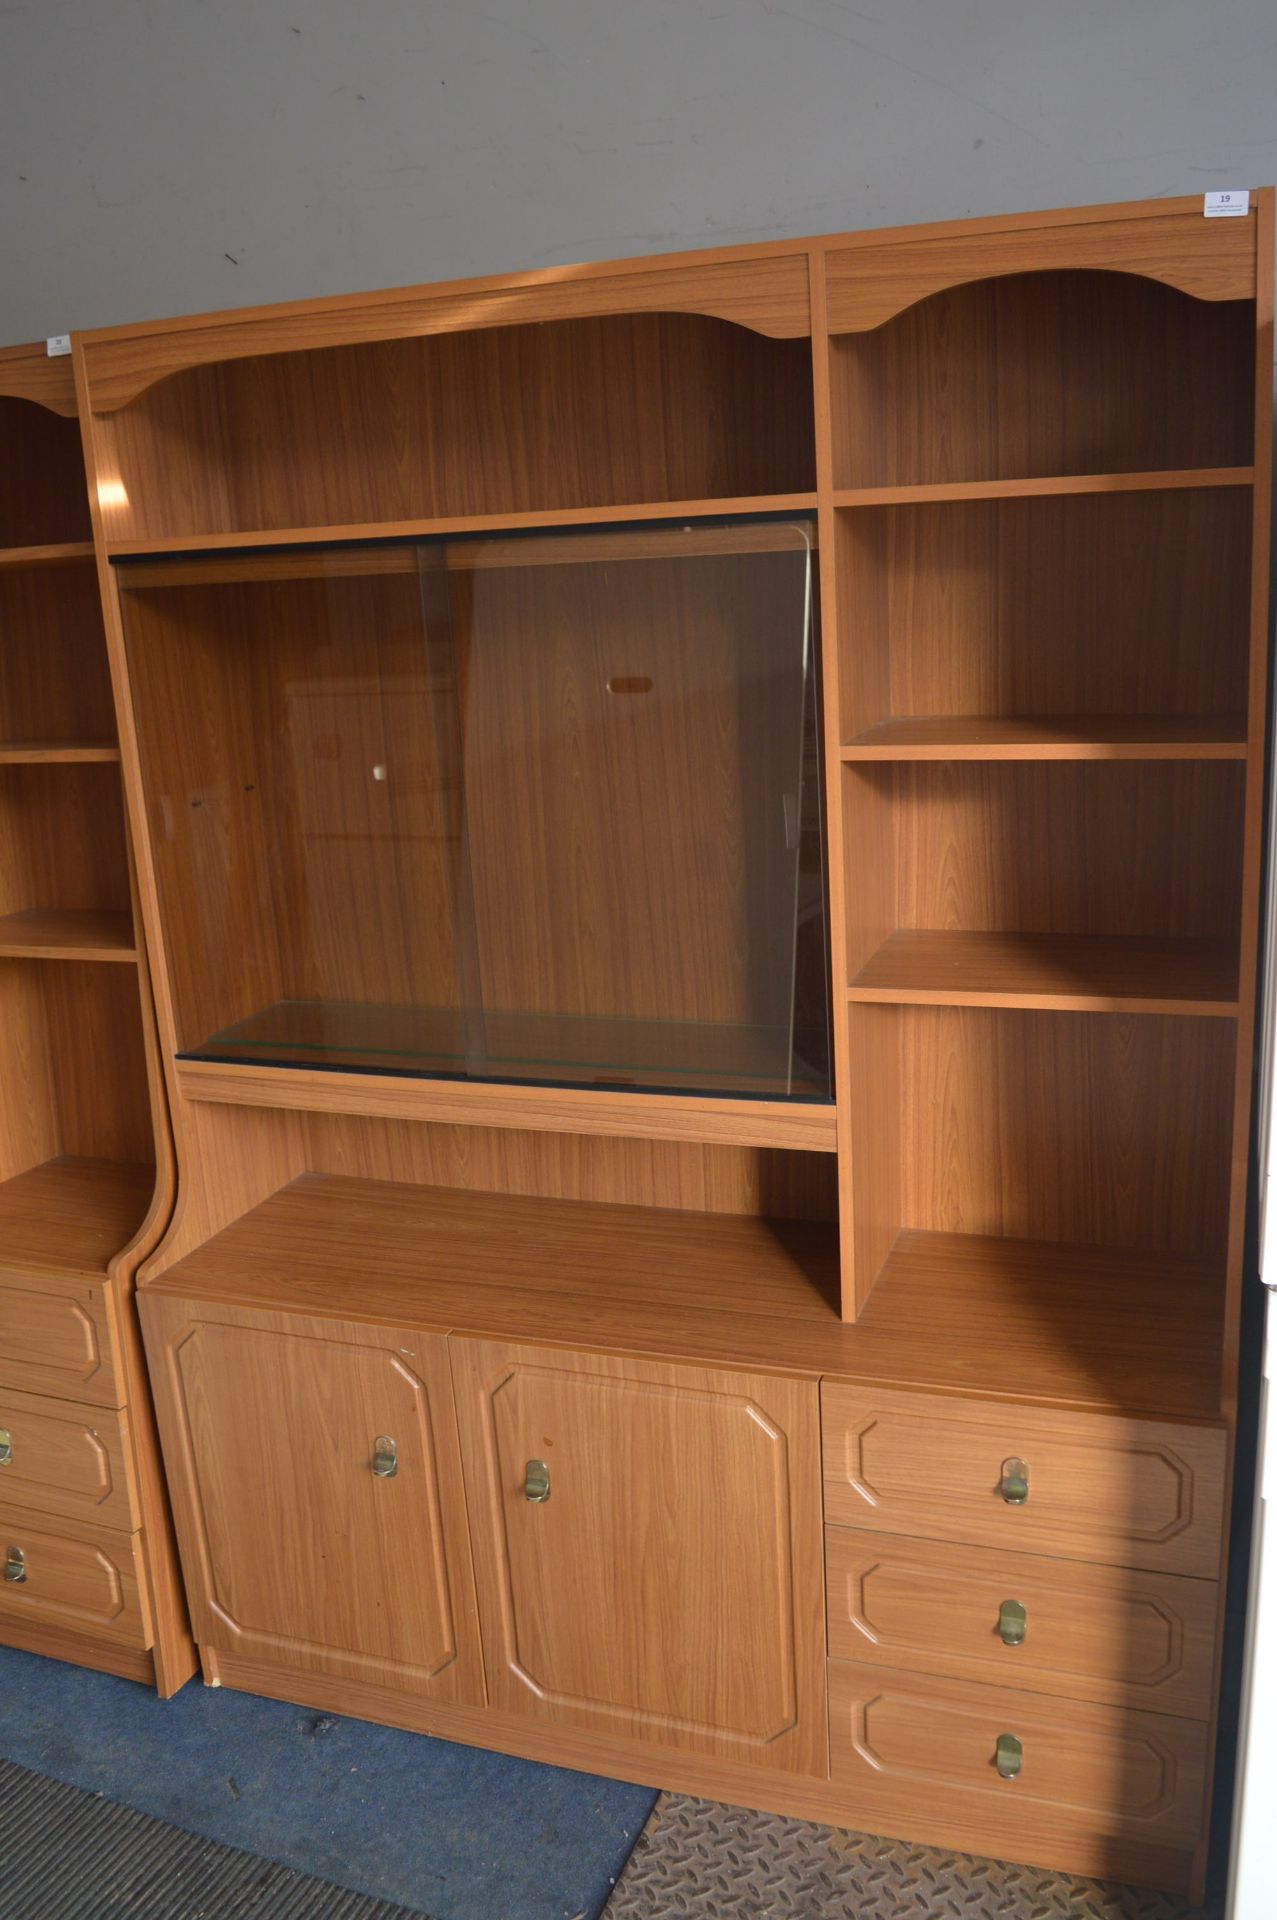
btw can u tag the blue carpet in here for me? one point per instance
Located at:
(444, 1830)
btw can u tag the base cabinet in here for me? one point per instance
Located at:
(317, 1490)
(648, 1549)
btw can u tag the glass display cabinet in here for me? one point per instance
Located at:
(530, 808)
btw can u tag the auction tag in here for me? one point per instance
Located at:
(1222, 206)
(57, 343)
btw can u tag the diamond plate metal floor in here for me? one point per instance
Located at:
(695, 1858)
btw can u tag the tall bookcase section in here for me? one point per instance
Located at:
(90, 1572)
(1050, 509)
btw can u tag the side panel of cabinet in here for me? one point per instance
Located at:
(669, 1588)
(296, 1551)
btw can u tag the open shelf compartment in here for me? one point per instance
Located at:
(1049, 1152)
(1087, 627)
(1089, 884)
(1035, 374)
(55, 690)
(43, 502)
(64, 877)
(77, 1153)
(581, 413)
(541, 810)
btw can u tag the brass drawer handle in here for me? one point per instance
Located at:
(15, 1566)
(1013, 1623)
(536, 1482)
(385, 1457)
(6, 1447)
(1014, 1484)
(1008, 1756)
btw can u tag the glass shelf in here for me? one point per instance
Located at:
(546, 1049)
(539, 809)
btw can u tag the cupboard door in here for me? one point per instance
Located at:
(317, 1491)
(1128, 1493)
(647, 1548)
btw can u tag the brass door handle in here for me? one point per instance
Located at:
(6, 1447)
(536, 1482)
(1014, 1484)
(1008, 1756)
(15, 1566)
(385, 1457)
(1013, 1623)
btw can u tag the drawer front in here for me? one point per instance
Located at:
(1138, 1493)
(62, 1573)
(1118, 1636)
(1099, 1789)
(60, 1458)
(55, 1338)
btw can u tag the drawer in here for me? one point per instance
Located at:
(1115, 1635)
(1138, 1493)
(62, 1573)
(55, 1337)
(65, 1459)
(1101, 1790)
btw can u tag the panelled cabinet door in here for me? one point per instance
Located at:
(317, 1491)
(647, 1549)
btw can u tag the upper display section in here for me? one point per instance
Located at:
(537, 809)
(624, 411)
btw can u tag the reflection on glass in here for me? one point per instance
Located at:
(530, 808)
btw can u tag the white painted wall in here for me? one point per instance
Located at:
(165, 156)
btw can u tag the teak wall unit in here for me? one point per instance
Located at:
(863, 1457)
(89, 1564)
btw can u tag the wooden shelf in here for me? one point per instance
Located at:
(59, 554)
(1098, 975)
(66, 933)
(1159, 480)
(1014, 1320)
(1052, 737)
(72, 1215)
(57, 753)
(494, 523)
(799, 1126)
